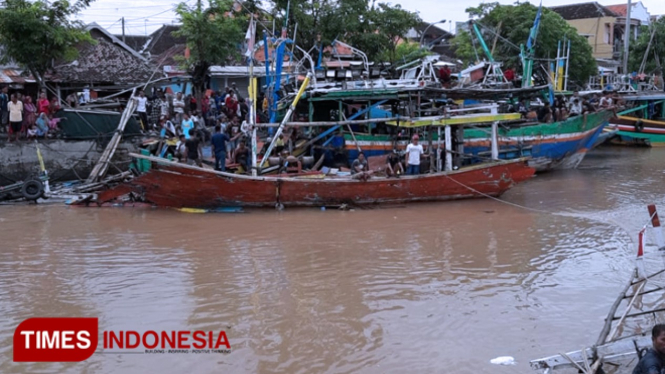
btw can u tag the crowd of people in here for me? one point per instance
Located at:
(23, 118)
(183, 118)
(565, 108)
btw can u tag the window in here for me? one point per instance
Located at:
(608, 33)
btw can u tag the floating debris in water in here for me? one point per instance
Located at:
(503, 360)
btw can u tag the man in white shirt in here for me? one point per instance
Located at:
(142, 110)
(413, 153)
(606, 101)
(15, 108)
(178, 107)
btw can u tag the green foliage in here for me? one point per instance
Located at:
(407, 52)
(372, 28)
(213, 35)
(515, 25)
(34, 34)
(639, 47)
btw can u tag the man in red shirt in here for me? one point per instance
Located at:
(509, 74)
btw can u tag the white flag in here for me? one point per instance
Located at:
(249, 38)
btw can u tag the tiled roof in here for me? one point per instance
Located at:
(583, 11)
(136, 42)
(109, 60)
(162, 39)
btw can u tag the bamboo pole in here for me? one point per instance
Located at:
(280, 129)
(602, 338)
(625, 313)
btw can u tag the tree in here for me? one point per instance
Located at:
(213, 36)
(392, 23)
(516, 22)
(656, 55)
(34, 34)
(406, 52)
(372, 28)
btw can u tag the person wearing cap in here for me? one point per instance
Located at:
(413, 153)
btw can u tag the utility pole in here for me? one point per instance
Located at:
(626, 39)
(123, 29)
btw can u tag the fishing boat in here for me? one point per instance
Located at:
(172, 184)
(558, 145)
(625, 336)
(644, 123)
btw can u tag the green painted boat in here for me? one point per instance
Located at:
(93, 124)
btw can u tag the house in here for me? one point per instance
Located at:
(433, 37)
(603, 27)
(108, 64)
(637, 11)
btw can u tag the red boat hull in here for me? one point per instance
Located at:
(176, 185)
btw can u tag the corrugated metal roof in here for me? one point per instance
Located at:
(235, 71)
(14, 76)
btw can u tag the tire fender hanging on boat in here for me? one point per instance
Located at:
(33, 189)
(639, 126)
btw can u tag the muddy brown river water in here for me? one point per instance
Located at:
(424, 288)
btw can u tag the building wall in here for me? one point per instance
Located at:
(638, 11)
(599, 33)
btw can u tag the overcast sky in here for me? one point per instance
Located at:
(145, 16)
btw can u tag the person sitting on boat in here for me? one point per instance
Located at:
(560, 112)
(393, 164)
(575, 107)
(444, 75)
(193, 154)
(279, 143)
(588, 107)
(360, 168)
(413, 153)
(545, 113)
(242, 157)
(606, 101)
(653, 362)
(522, 109)
(167, 128)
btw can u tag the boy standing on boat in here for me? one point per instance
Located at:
(653, 361)
(413, 153)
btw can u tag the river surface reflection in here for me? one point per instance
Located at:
(425, 288)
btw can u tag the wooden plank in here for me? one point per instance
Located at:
(102, 165)
(458, 120)
(609, 351)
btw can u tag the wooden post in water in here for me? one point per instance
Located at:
(438, 148)
(449, 148)
(495, 140)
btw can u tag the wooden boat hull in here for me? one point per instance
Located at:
(171, 184)
(630, 133)
(560, 145)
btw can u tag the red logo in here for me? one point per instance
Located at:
(76, 339)
(55, 339)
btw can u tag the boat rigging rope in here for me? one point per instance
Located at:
(611, 221)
